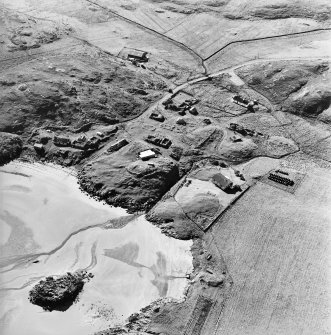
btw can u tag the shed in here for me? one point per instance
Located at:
(147, 154)
(224, 183)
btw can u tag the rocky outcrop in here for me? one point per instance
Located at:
(122, 179)
(10, 147)
(58, 293)
(310, 102)
(57, 92)
(319, 10)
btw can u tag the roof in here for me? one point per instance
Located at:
(147, 154)
(221, 181)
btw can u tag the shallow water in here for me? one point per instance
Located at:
(49, 227)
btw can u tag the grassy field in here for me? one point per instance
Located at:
(165, 58)
(277, 249)
(297, 46)
(206, 26)
(207, 33)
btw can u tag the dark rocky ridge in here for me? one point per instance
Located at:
(294, 86)
(58, 91)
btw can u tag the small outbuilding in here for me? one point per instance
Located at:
(147, 154)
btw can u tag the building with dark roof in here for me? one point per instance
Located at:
(224, 183)
(140, 56)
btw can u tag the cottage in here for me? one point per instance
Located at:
(224, 183)
(138, 55)
(147, 154)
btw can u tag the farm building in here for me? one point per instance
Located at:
(118, 145)
(138, 55)
(62, 141)
(222, 182)
(81, 145)
(147, 154)
(159, 141)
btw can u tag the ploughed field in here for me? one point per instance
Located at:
(276, 246)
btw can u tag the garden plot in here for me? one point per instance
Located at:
(201, 200)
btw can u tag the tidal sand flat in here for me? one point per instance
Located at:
(49, 227)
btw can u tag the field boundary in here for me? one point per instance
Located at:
(247, 187)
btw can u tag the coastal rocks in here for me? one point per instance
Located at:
(211, 279)
(10, 147)
(58, 293)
